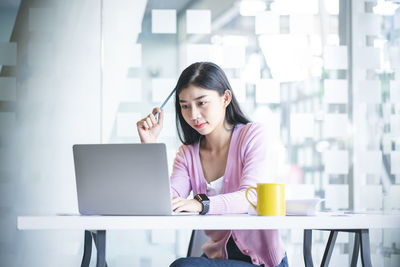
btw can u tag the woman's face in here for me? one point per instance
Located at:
(202, 109)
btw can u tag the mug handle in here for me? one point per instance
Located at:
(247, 190)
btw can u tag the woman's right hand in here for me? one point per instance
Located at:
(149, 128)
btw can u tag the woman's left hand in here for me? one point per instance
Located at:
(182, 204)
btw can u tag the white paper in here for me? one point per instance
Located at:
(370, 162)
(335, 125)
(368, 92)
(131, 91)
(8, 88)
(8, 54)
(301, 24)
(161, 88)
(198, 21)
(163, 21)
(395, 162)
(305, 207)
(337, 196)
(301, 125)
(126, 124)
(233, 56)
(239, 89)
(394, 92)
(336, 161)
(267, 23)
(368, 58)
(268, 91)
(335, 57)
(336, 91)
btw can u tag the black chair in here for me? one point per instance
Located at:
(197, 239)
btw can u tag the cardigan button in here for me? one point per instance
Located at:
(255, 260)
(236, 239)
(226, 180)
(246, 251)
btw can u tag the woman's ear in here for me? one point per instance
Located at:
(227, 97)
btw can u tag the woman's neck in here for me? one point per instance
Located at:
(218, 140)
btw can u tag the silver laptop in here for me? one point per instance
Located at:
(122, 179)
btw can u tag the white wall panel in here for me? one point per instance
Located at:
(371, 197)
(8, 88)
(336, 161)
(301, 125)
(161, 88)
(370, 162)
(335, 126)
(335, 57)
(337, 196)
(268, 91)
(267, 23)
(335, 91)
(163, 21)
(8, 54)
(198, 21)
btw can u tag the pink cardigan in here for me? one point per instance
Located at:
(246, 166)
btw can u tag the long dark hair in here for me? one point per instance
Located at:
(209, 76)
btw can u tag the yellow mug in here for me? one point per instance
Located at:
(270, 199)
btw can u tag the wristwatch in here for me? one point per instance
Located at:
(205, 202)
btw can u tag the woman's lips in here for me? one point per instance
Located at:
(201, 125)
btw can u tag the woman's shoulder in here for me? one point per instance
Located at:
(188, 151)
(251, 130)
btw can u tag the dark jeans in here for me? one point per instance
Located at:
(235, 259)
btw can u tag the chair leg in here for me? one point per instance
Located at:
(189, 253)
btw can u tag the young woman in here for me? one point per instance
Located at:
(221, 156)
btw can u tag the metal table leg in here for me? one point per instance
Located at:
(99, 238)
(329, 248)
(365, 249)
(100, 242)
(307, 242)
(356, 248)
(87, 251)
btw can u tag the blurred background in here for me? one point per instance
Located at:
(324, 75)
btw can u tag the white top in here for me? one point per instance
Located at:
(215, 187)
(215, 222)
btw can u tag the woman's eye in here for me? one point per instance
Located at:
(202, 103)
(184, 106)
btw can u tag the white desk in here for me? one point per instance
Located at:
(96, 226)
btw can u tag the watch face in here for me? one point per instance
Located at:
(201, 197)
(205, 201)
